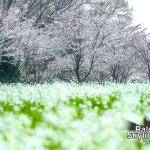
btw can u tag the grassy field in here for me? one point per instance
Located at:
(62, 116)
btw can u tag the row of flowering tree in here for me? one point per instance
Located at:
(71, 40)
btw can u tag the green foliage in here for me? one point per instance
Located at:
(9, 72)
(139, 145)
(112, 99)
(32, 109)
(52, 145)
(91, 103)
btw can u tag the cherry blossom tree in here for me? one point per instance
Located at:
(91, 34)
(141, 45)
(69, 40)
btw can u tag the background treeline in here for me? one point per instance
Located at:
(71, 40)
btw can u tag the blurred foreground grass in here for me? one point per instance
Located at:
(63, 116)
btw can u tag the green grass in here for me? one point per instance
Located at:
(62, 116)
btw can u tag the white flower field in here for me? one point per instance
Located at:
(68, 116)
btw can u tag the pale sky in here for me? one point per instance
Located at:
(141, 12)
